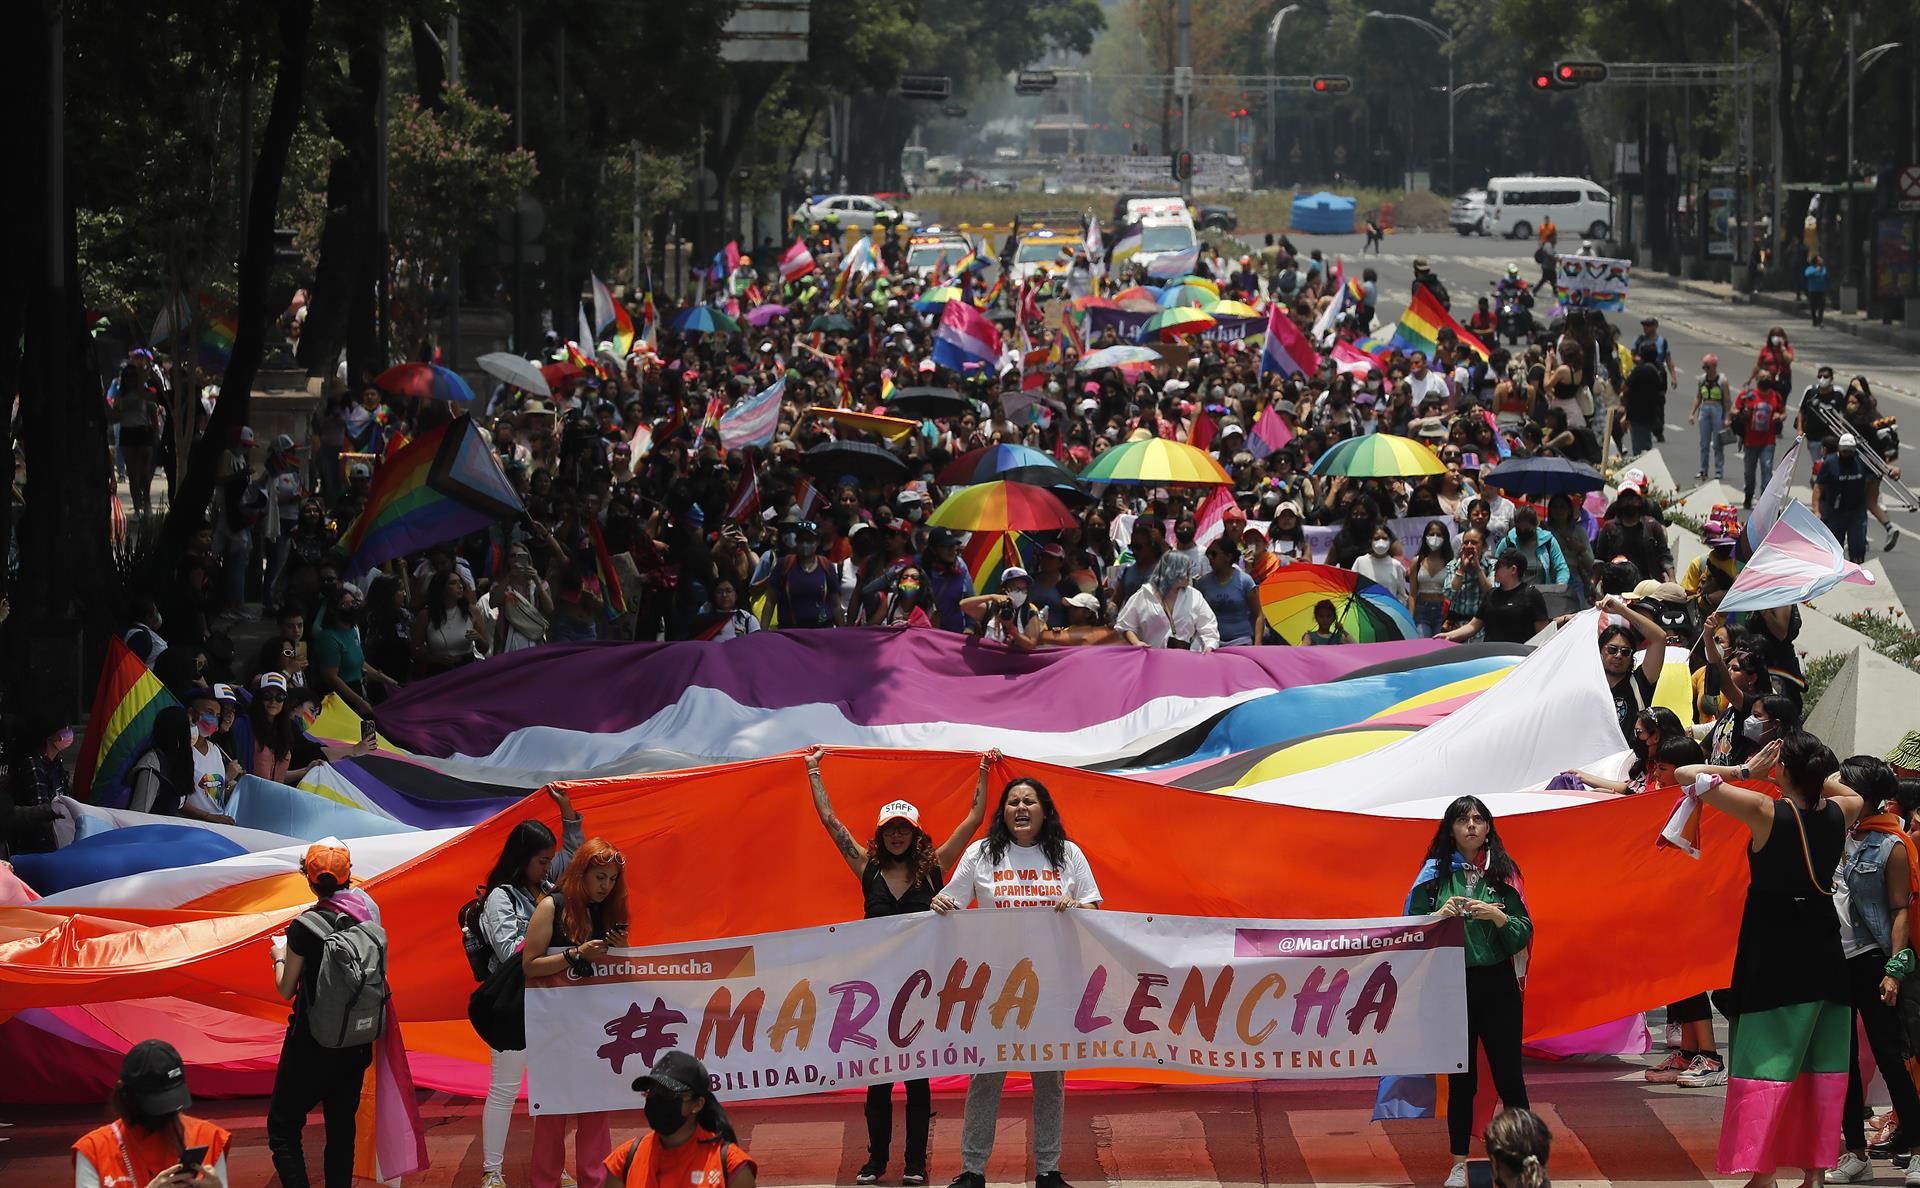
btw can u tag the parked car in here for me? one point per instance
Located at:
(1470, 215)
(856, 210)
(1214, 217)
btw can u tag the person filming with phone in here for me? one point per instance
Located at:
(152, 1141)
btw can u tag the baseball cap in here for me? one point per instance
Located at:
(1634, 480)
(359, 470)
(1287, 506)
(909, 495)
(1849, 442)
(1649, 320)
(676, 1072)
(283, 443)
(226, 693)
(322, 858)
(155, 1078)
(898, 810)
(273, 680)
(1013, 573)
(1085, 601)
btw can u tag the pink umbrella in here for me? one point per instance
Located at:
(760, 315)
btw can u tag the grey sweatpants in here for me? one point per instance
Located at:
(983, 1115)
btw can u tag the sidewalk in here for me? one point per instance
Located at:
(1858, 325)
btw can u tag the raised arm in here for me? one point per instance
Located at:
(950, 850)
(1752, 809)
(1651, 633)
(843, 839)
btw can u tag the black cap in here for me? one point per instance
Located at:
(676, 1072)
(155, 1079)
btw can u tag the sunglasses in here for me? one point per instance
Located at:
(272, 695)
(1617, 650)
(608, 860)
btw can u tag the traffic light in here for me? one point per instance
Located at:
(1182, 166)
(1549, 80)
(1332, 84)
(1573, 74)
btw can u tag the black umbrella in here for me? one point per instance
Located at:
(831, 459)
(1546, 475)
(830, 324)
(929, 402)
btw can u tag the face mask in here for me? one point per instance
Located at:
(1373, 385)
(1826, 381)
(1017, 597)
(64, 739)
(909, 589)
(807, 548)
(663, 1113)
(1775, 340)
(1434, 542)
(915, 514)
(1382, 547)
(208, 725)
(1639, 746)
(1284, 546)
(1754, 728)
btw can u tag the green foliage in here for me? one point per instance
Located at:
(448, 173)
(1892, 636)
(1820, 672)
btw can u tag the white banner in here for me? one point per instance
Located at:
(1594, 282)
(905, 997)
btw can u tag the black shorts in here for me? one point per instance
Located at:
(135, 436)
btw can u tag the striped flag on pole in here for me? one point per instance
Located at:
(752, 421)
(1798, 560)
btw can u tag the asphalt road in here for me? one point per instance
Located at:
(1693, 325)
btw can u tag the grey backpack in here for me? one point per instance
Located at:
(349, 1005)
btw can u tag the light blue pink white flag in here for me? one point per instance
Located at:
(1799, 559)
(1766, 509)
(752, 422)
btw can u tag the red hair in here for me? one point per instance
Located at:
(576, 918)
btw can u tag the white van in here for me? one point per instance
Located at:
(1518, 205)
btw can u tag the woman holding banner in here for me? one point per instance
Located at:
(1468, 873)
(900, 872)
(584, 916)
(1026, 837)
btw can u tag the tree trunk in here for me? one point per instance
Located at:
(295, 21)
(429, 64)
(342, 306)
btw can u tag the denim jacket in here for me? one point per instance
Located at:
(508, 909)
(1865, 873)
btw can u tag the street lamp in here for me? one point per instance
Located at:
(1454, 93)
(1445, 38)
(1273, 49)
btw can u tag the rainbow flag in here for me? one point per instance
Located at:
(1419, 329)
(603, 569)
(887, 387)
(447, 483)
(988, 554)
(125, 702)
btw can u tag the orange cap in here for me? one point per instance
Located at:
(324, 859)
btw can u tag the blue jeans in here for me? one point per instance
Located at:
(1712, 418)
(1850, 529)
(1641, 436)
(1759, 465)
(1429, 617)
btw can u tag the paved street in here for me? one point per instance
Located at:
(1609, 1128)
(1693, 325)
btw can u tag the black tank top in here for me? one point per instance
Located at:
(879, 896)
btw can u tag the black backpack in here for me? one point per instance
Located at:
(473, 937)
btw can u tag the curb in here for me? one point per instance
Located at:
(1892, 335)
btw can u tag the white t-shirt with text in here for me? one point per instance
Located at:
(1023, 877)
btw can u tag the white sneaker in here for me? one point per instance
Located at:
(1851, 1170)
(493, 1179)
(1707, 1070)
(1457, 1178)
(1673, 1036)
(1913, 1175)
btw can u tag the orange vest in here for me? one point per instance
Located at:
(701, 1162)
(115, 1146)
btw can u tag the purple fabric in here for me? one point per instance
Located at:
(874, 675)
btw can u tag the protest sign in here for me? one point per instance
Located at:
(789, 1013)
(1593, 282)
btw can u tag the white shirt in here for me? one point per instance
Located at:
(1432, 383)
(1192, 619)
(1023, 877)
(209, 779)
(1386, 570)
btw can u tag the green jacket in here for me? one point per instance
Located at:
(1486, 945)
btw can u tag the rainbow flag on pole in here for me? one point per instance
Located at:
(445, 484)
(1419, 329)
(603, 569)
(125, 702)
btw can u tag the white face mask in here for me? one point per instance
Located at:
(1017, 597)
(1776, 340)
(1382, 547)
(1826, 381)
(1754, 728)
(1434, 542)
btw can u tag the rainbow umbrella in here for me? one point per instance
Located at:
(1362, 607)
(1015, 463)
(1156, 462)
(704, 319)
(1201, 281)
(1137, 297)
(1178, 322)
(1001, 506)
(1081, 304)
(1187, 295)
(424, 381)
(1233, 309)
(933, 299)
(1379, 455)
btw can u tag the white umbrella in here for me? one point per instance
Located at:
(510, 368)
(1117, 356)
